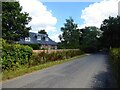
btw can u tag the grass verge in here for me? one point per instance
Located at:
(24, 70)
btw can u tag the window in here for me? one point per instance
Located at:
(27, 38)
(46, 39)
(38, 37)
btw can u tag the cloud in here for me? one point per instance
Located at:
(94, 14)
(41, 17)
(54, 37)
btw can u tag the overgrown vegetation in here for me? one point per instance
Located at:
(14, 55)
(115, 61)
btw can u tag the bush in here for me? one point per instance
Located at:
(14, 55)
(115, 61)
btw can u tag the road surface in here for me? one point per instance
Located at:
(90, 71)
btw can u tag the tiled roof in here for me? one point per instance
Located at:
(33, 39)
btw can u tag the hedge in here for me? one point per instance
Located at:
(14, 55)
(42, 57)
(115, 61)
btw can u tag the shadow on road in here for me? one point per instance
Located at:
(103, 80)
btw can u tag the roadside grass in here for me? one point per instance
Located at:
(6, 75)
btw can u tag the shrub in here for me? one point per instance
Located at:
(115, 61)
(14, 55)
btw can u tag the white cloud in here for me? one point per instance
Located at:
(41, 17)
(55, 37)
(97, 12)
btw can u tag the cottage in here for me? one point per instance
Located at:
(42, 39)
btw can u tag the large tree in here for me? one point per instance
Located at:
(89, 39)
(70, 35)
(111, 32)
(14, 21)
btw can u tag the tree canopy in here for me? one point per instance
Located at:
(89, 38)
(111, 32)
(42, 32)
(14, 21)
(70, 35)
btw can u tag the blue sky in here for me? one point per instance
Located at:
(51, 15)
(64, 10)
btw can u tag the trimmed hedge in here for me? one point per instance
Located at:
(115, 61)
(40, 58)
(14, 55)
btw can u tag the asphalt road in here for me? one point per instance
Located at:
(90, 71)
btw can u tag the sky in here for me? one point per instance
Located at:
(51, 15)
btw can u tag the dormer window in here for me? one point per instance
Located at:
(38, 37)
(46, 39)
(27, 39)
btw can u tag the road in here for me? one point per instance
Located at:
(90, 71)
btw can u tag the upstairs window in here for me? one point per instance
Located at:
(38, 37)
(27, 39)
(46, 39)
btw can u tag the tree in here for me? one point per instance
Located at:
(14, 21)
(70, 35)
(42, 32)
(111, 32)
(89, 39)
